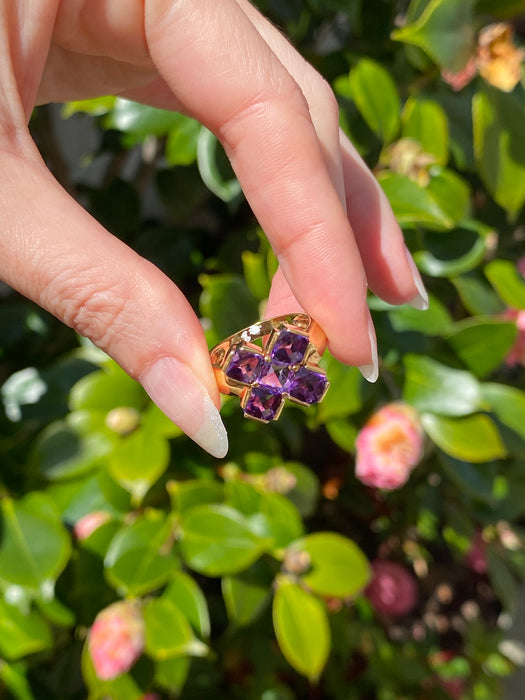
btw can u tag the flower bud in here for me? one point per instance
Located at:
(87, 525)
(389, 446)
(116, 639)
(393, 589)
(476, 557)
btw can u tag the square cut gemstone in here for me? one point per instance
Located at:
(306, 385)
(289, 348)
(263, 403)
(244, 366)
(273, 376)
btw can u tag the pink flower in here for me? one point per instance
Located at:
(87, 525)
(516, 355)
(459, 79)
(389, 446)
(476, 557)
(393, 589)
(116, 639)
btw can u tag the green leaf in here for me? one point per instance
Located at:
(278, 519)
(14, 679)
(183, 592)
(246, 594)
(138, 461)
(431, 386)
(501, 8)
(107, 389)
(256, 274)
(509, 285)
(436, 320)
(338, 567)
(344, 396)
(507, 403)
(452, 194)
(343, 433)
(444, 30)
(34, 547)
(305, 494)
(217, 540)
(22, 634)
(425, 121)
(172, 673)
(141, 120)
(139, 558)
(195, 492)
(227, 189)
(74, 446)
(482, 343)
(168, 632)
(476, 295)
(228, 302)
(96, 106)
(413, 204)
(437, 267)
(471, 439)
(302, 629)
(499, 147)
(181, 144)
(375, 94)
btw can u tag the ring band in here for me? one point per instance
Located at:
(270, 362)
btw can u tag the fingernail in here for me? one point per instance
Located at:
(371, 372)
(420, 301)
(180, 395)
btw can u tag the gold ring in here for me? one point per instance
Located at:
(270, 362)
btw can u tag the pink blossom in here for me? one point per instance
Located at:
(393, 589)
(389, 446)
(87, 525)
(459, 79)
(476, 557)
(116, 639)
(516, 355)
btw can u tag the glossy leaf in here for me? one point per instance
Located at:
(34, 547)
(247, 594)
(139, 558)
(476, 295)
(508, 404)
(226, 189)
(451, 193)
(338, 567)
(413, 204)
(228, 302)
(171, 673)
(22, 634)
(194, 492)
(444, 30)
(137, 461)
(509, 285)
(181, 143)
(106, 389)
(436, 320)
(74, 446)
(301, 627)
(168, 632)
(183, 592)
(217, 540)
(499, 147)
(482, 343)
(471, 439)
(141, 120)
(375, 94)
(432, 386)
(425, 121)
(344, 395)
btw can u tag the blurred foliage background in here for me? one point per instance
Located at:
(245, 578)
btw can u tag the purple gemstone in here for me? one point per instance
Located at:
(244, 366)
(306, 385)
(263, 403)
(272, 376)
(289, 348)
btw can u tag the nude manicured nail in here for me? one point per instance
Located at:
(371, 372)
(420, 301)
(180, 395)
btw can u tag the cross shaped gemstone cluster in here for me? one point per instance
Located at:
(266, 377)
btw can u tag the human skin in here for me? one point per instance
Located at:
(222, 63)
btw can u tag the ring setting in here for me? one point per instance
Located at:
(271, 362)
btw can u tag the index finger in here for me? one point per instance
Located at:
(226, 76)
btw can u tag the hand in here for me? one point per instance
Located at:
(224, 64)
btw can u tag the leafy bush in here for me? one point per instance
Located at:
(251, 578)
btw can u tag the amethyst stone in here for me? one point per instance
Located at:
(263, 403)
(272, 376)
(306, 385)
(244, 366)
(289, 348)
